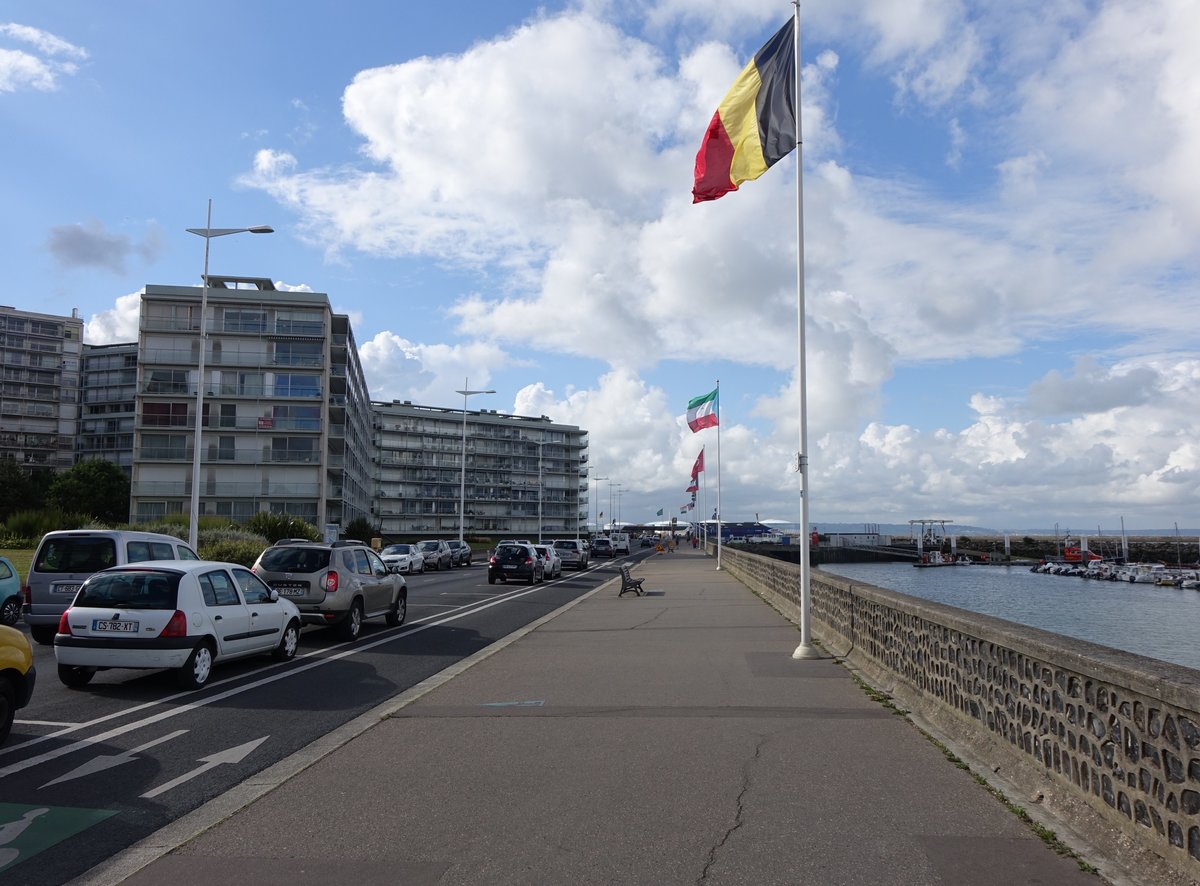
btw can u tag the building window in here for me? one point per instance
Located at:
(288, 385)
(237, 320)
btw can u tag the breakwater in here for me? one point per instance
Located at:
(1105, 740)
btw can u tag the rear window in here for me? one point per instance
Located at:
(142, 589)
(78, 554)
(294, 559)
(565, 545)
(511, 552)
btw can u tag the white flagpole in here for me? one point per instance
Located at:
(806, 648)
(718, 473)
(705, 523)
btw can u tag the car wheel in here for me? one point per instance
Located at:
(288, 643)
(198, 667)
(397, 613)
(43, 634)
(75, 677)
(351, 625)
(8, 708)
(10, 612)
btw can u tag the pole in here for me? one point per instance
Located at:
(718, 473)
(194, 514)
(806, 648)
(462, 482)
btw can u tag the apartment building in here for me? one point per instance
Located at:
(39, 394)
(108, 404)
(522, 473)
(285, 415)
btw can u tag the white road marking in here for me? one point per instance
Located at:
(232, 755)
(108, 761)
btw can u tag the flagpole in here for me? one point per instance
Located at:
(806, 648)
(718, 473)
(705, 511)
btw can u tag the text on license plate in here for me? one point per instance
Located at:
(509, 566)
(66, 589)
(114, 627)
(291, 592)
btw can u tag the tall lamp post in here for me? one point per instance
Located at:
(612, 516)
(596, 495)
(207, 232)
(539, 445)
(462, 483)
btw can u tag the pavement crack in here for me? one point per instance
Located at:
(740, 804)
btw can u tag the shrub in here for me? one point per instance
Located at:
(227, 549)
(360, 529)
(35, 524)
(273, 527)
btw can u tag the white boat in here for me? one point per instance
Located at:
(1142, 573)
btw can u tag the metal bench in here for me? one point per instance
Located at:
(629, 583)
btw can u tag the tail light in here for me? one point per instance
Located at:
(176, 627)
(64, 627)
(27, 594)
(330, 582)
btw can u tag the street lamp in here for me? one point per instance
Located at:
(539, 446)
(462, 483)
(611, 514)
(207, 233)
(596, 495)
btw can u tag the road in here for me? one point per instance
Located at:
(89, 772)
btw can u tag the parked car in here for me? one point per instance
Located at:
(17, 676)
(515, 561)
(602, 547)
(573, 552)
(403, 558)
(461, 551)
(181, 615)
(551, 563)
(64, 559)
(648, 541)
(337, 584)
(10, 593)
(437, 554)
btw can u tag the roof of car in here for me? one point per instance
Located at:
(171, 566)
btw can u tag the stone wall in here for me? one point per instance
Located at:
(1108, 741)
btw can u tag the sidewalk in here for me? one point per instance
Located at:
(665, 739)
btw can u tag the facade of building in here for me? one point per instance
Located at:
(108, 404)
(39, 394)
(286, 425)
(522, 473)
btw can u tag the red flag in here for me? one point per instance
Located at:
(699, 465)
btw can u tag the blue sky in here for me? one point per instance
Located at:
(1001, 228)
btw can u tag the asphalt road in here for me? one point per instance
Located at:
(114, 762)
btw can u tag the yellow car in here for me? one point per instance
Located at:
(17, 676)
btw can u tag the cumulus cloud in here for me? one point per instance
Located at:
(116, 325)
(1078, 133)
(38, 62)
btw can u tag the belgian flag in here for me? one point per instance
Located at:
(755, 124)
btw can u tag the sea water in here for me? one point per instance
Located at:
(1158, 622)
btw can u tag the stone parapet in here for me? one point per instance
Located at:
(1106, 741)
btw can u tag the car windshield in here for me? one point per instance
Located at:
(395, 549)
(123, 589)
(429, 545)
(286, 559)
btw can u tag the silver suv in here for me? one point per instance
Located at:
(572, 551)
(337, 584)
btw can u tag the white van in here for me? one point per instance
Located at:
(620, 542)
(66, 558)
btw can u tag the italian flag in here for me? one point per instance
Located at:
(702, 411)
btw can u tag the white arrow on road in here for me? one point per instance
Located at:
(108, 761)
(233, 755)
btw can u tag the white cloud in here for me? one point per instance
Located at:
(1077, 130)
(51, 58)
(118, 324)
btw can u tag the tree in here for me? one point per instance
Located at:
(17, 492)
(360, 529)
(95, 487)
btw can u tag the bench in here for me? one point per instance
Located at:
(629, 583)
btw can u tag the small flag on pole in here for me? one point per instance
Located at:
(660, 510)
(702, 411)
(698, 466)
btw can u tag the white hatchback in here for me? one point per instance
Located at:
(183, 615)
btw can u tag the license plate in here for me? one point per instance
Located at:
(291, 592)
(510, 566)
(66, 589)
(114, 627)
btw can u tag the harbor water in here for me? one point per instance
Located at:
(1158, 622)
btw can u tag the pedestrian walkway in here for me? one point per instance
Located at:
(663, 739)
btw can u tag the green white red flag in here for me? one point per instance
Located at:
(702, 411)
